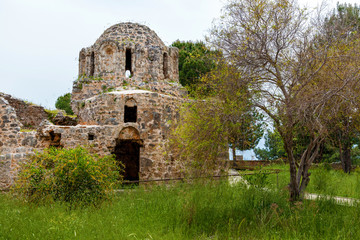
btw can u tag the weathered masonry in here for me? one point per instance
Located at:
(126, 97)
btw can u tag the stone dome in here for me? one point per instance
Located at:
(133, 33)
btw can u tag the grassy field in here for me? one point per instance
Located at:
(323, 180)
(212, 210)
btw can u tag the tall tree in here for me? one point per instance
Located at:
(276, 45)
(195, 60)
(222, 114)
(274, 147)
(64, 103)
(343, 25)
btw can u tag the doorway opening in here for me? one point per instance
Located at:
(128, 153)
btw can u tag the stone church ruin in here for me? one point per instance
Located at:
(126, 97)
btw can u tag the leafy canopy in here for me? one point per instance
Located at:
(195, 59)
(64, 103)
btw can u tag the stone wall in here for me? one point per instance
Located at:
(30, 115)
(154, 163)
(85, 88)
(150, 58)
(15, 146)
(123, 46)
(155, 114)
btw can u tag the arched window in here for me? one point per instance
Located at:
(128, 60)
(130, 111)
(166, 65)
(92, 64)
(107, 57)
(82, 61)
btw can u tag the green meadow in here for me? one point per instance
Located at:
(196, 210)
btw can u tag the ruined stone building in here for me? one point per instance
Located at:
(126, 97)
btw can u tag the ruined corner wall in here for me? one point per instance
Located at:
(28, 114)
(15, 146)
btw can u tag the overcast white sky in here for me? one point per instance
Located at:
(40, 39)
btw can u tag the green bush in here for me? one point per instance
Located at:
(64, 103)
(73, 176)
(258, 180)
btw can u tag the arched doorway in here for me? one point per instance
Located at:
(127, 151)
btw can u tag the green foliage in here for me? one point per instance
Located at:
(200, 137)
(64, 102)
(222, 115)
(344, 21)
(213, 210)
(259, 179)
(195, 59)
(51, 114)
(274, 147)
(74, 176)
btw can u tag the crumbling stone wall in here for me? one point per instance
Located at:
(15, 146)
(28, 114)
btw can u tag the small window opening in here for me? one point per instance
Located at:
(82, 62)
(128, 60)
(91, 136)
(55, 139)
(130, 111)
(165, 65)
(92, 64)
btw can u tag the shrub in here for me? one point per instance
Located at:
(259, 179)
(64, 102)
(73, 176)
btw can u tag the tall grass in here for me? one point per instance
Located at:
(323, 180)
(203, 210)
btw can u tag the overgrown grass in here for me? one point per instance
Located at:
(323, 180)
(52, 113)
(213, 210)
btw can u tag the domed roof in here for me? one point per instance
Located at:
(130, 32)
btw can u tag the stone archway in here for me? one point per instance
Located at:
(127, 151)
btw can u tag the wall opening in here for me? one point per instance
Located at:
(128, 60)
(166, 65)
(130, 111)
(82, 61)
(55, 139)
(92, 64)
(128, 153)
(91, 136)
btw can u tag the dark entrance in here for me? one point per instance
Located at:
(128, 152)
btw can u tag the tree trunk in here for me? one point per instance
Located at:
(345, 157)
(293, 186)
(234, 154)
(299, 178)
